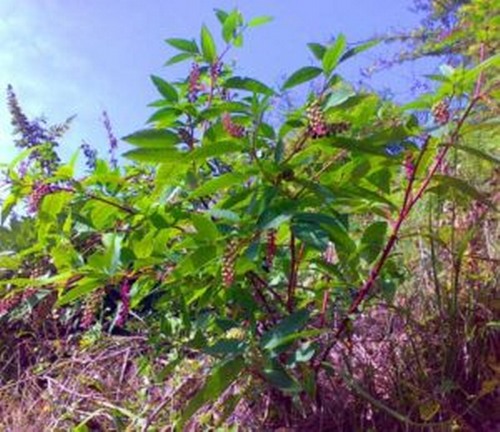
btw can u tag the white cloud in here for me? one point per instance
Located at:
(37, 59)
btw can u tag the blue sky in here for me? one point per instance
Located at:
(81, 57)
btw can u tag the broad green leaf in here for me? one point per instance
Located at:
(165, 117)
(301, 76)
(7, 206)
(221, 15)
(478, 153)
(461, 186)
(195, 261)
(317, 49)
(231, 25)
(178, 58)
(219, 183)
(211, 150)
(291, 324)
(155, 155)
(206, 229)
(278, 376)
(220, 379)
(153, 138)
(373, 240)
(166, 89)
(208, 47)
(227, 347)
(258, 21)
(54, 203)
(83, 287)
(333, 54)
(340, 93)
(248, 84)
(189, 46)
(143, 247)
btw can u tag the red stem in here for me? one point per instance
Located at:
(408, 203)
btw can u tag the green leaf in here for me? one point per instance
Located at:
(373, 240)
(54, 203)
(258, 21)
(83, 287)
(317, 49)
(291, 324)
(178, 58)
(301, 76)
(219, 380)
(188, 46)
(333, 54)
(208, 47)
(478, 153)
(7, 206)
(248, 84)
(462, 187)
(166, 89)
(155, 155)
(359, 49)
(226, 347)
(219, 183)
(153, 138)
(143, 248)
(230, 26)
(215, 149)
(221, 15)
(205, 227)
(277, 375)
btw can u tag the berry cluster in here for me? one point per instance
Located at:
(9, 303)
(124, 309)
(194, 83)
(317, 125)
(91, 308)
(39, 191)
(441, 112)
(233, 129)
(271, 248)
(228, 262)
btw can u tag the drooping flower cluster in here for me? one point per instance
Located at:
(194, 83)
(271, 248)
(90, 309)
(441, 112)
(233, 129)
(39, 191)
(90, 155)
(124, 308)
(113, 142)
(228, 262)
(316, 122)
(215, 70)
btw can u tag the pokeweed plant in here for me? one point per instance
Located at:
(251, 240)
